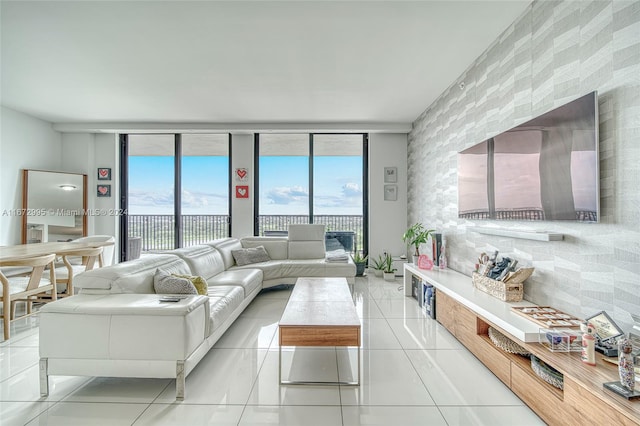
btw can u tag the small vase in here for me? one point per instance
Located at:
(389, 276)
(377, 272)
(415, 260)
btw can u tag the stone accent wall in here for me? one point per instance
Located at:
(555, 52)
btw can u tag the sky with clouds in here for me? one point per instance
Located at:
(284, 186)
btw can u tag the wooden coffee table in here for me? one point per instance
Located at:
(320, 312)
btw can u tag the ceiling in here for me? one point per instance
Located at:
(213, 62)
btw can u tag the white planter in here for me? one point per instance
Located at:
(415, 260)
(389, 276)
(377, 272)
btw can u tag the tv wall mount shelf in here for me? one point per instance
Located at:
(526, 235)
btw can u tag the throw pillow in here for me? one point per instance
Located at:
(163, 283)
(250, 255)
(198, 282)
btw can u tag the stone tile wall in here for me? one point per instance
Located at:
(555, 52)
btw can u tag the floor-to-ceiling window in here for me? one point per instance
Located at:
(313, 178)
(177, 189)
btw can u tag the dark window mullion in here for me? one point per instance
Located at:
(231, 174)
(177, 207)
(310, 177)
(365, 194)
(124, 196)
(256, 184)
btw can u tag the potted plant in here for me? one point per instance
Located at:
(377, 264)
(414, 236)
(360, 262)
(388, 271)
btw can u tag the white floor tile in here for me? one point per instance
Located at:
(387, 379)
(223, 376)
(265, 307)
(366, 307)
(291, 416)
(494, 416)
(301, 364)
(182, 415)
(25, 386)
(422, 333)
(118, 389)
(456, 377)
(406, 307)
(249, 333)
(388, 290)
(377, 334)
(27, 339)
(385, 416)
(19, 413)
(86, 414)
(16, 359)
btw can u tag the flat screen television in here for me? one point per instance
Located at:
(544, 169)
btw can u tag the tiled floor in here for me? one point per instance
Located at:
(413, 373)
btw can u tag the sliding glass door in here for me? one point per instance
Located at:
(313, 178)
(177, 189)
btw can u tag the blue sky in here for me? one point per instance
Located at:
(284, 185)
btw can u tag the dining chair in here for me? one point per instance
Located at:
(64, 274)
(107, 255)
(29, 288)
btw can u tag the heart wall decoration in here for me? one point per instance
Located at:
(242, 191)
(242, 175)
(104, 173)
(104, 191)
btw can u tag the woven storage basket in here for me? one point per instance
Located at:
(546, 373)
(509, 292)
(506, 344)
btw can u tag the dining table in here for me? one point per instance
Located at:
(22, 251)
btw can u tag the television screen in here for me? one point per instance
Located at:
(544, 169)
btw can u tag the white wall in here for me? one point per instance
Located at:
(387, 219)
(242, 208)
(25, 143)
(84, 153)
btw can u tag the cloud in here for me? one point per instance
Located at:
(193, 199)
(287, 195)
(351, 189)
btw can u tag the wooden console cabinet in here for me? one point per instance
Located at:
(467, 313)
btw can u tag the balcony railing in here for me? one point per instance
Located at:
(158, 231)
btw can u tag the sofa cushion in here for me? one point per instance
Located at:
(133, 276)
(276, 247)
(247, 256)
(306, 232)
(198, 282)
(164, 283)
(248, 279)
(306, 249)
(225, 246)
(270, 270)
(203, 260)
(223, 300)
(306, 241)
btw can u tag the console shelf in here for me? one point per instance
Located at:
(467, 313)
(525, 235)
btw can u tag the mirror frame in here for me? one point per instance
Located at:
(25, 197)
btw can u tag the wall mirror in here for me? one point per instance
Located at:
(53, 205)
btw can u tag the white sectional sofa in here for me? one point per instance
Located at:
(117, 327)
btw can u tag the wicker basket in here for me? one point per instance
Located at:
(509, 291)
(546, 373)
(506, 344)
